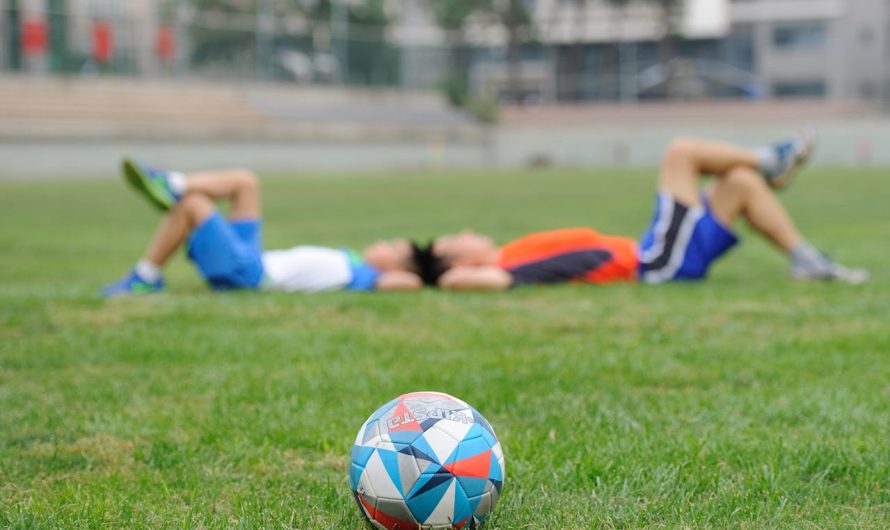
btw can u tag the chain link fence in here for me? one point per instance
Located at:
(355, 44)
(188, 43)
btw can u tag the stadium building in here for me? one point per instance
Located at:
(588, 51)
(824, 48)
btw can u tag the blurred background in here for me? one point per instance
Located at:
(349, 85)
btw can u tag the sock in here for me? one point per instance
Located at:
(806, 256)
(767, 160)
(177, 182)
(148, 271)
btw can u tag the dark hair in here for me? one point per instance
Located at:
(429, 266)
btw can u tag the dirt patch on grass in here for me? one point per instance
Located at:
(296, 461)
(98, 450)
(111, 313)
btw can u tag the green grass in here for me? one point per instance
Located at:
(747, 401)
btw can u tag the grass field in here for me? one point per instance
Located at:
(747, 401)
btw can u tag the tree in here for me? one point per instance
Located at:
(212, 45)
(452, 16)
(572, 60)
(667, 14)
(575, 55)
(514, 15)
(668, 11)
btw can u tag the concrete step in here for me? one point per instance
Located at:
(68, 109)
(29, 130)
(90, 111)
(794, 112)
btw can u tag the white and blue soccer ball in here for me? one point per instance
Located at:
(426, 460)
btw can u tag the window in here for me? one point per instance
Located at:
(866, 36)
(868, 89)
(800, 89)
(800, 36)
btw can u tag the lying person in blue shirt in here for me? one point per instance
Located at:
(228, 252)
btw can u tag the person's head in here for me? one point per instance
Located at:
(465, 249)
(429, 262)
(391, 255)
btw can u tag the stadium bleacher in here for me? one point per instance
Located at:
(51, 109)
(91, 122)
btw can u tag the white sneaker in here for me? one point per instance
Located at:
(831, 272)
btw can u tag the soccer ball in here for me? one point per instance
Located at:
(426, 460)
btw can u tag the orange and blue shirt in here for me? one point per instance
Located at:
(580, 255)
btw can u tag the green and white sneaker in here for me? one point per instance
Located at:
(153, 183)
(132, 284)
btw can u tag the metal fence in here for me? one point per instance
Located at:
(186, 42)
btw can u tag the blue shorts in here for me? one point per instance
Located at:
(682, 242)
(228, 253)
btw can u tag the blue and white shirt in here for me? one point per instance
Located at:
(309, 269)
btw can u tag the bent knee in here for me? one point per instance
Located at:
(196, 205)
(248, 179)
(681, 149)
(743, 177)
(190, 201)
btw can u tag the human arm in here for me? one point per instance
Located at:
(398, 281)
(476, 279)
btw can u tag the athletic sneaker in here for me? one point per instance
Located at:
(829, 271)
(132, 284)
(790, 156)
(151, 182)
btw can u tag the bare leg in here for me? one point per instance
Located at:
(742, 191)
(686, 160)
(175, 227)
(240, 186)
(191, 206)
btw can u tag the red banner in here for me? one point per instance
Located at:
(103, 41)
(166, 44)
(34, 36)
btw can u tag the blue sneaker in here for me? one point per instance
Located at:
(791, 155)
(132, 284)
(151, 182)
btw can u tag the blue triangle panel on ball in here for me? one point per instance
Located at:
(423, 504)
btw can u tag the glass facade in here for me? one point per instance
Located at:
(800, 36)
(805, 88)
